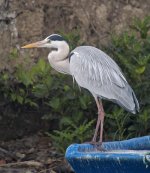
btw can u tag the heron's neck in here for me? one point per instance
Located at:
(59, 59)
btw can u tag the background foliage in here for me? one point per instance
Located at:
(131, 50)
(39, 88)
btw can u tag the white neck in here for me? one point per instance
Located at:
(58, 58)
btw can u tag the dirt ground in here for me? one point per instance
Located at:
(31, 154)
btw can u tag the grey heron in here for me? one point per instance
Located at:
(94, 70)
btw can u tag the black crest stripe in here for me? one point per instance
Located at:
(55, 37)
(69, 56)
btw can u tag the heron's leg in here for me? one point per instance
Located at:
(102, 114)
(98, 121)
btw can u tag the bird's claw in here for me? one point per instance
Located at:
(97, 146)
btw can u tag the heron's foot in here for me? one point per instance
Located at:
(90, 142)
(97, 146)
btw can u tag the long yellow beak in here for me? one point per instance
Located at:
(36, 44)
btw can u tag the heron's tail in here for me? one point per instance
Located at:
(130, 102)
(137, 107)
(127, 100)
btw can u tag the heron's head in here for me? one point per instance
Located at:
(53, 41)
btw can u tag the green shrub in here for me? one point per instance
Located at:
(72, 132)
(131, 50)
(40, 88)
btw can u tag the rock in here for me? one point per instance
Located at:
(126, 17)
(22, 22)
(20, 155)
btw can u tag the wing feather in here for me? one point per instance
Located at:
(97, 72)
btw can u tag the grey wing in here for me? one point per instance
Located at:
(97, 72)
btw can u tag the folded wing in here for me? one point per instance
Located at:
(97, 72)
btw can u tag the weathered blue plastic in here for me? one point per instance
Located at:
(128, 156)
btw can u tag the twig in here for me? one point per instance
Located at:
(8, 153)
(51, 168)
(3, 150)
(30, 163)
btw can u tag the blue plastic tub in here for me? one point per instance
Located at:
(128, 156)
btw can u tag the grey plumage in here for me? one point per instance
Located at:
(97, 72)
